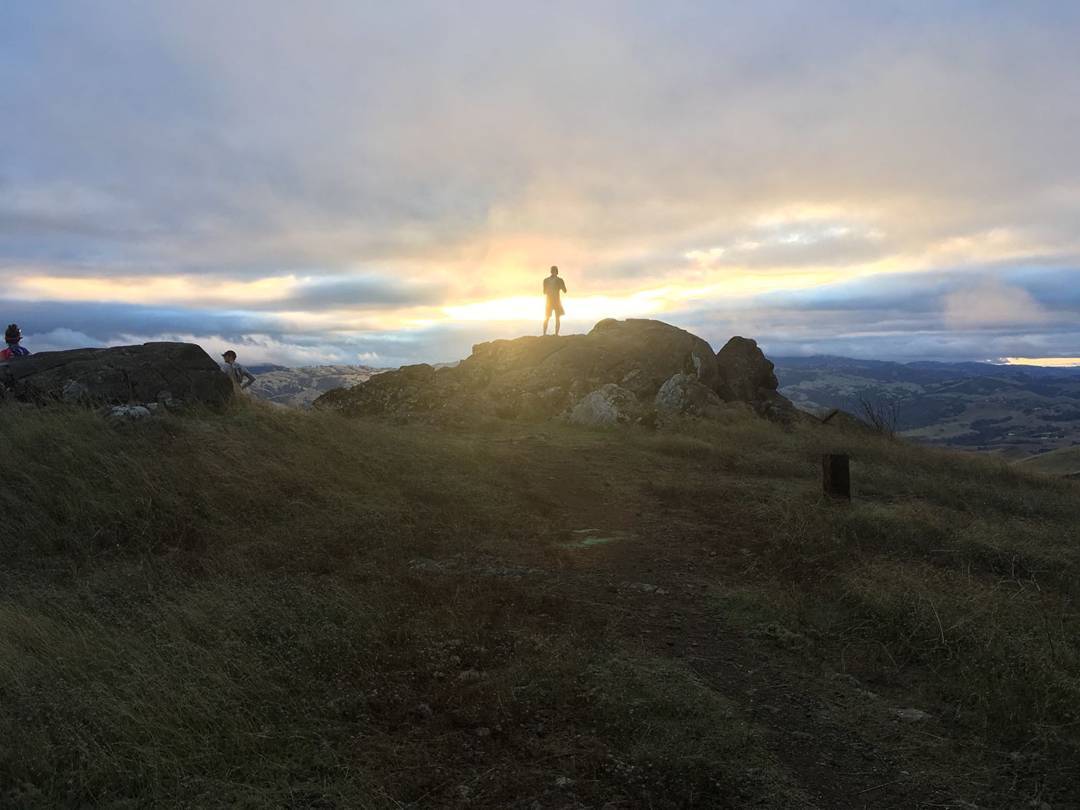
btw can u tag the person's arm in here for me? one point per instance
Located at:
(562, 284)
(249, 378)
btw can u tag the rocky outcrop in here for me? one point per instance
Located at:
(620, 371)
(748, 376)
(170, 373)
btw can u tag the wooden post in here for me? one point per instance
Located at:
(836, 475)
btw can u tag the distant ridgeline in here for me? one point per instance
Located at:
(299, 387)
(1016, 410)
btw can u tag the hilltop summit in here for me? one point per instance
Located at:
(621, 371)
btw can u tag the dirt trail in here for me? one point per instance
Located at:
(652, 577)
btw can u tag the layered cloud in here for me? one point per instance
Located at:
(393, 181)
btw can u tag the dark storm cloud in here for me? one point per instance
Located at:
(106, 322)
(356, 293)
(1053, 287)
(1005, 312)
(1057, 289)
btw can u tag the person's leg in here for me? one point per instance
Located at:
(557, 318)
(548, 318)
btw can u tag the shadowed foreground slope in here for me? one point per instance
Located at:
(298, 610)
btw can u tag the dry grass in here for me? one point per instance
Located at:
(273, 609)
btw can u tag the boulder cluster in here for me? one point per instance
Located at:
(132, 380)
(620, 372)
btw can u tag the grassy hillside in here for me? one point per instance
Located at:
(267, 609)
(1064, 461)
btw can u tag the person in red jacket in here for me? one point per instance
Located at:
(12, 335)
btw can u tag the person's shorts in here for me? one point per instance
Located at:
(553, 305)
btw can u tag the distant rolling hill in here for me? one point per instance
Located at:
(299, 387)
(1018, 411)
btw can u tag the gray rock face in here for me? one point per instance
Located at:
(74, 392)
(609, 404)
(125, 374)
(128, 413)
(682, 394)
(651, 351)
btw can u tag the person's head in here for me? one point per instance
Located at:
(554, 270)
(230, 356)
(12, 334)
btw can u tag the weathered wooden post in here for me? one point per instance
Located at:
(836, 475)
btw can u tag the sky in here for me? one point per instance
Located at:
(387, 183)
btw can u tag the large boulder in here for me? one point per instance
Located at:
(609, 404)
(152, 372)
(746, 375)
(684, 395)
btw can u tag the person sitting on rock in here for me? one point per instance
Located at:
(13, 335)
(240, 376)
(552, 286)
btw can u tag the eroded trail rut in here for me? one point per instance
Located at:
(663, 589)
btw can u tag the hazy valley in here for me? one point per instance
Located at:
(1018, 411)
(299, 387)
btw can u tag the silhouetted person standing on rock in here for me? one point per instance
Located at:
(553, 285)
(12, 336)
